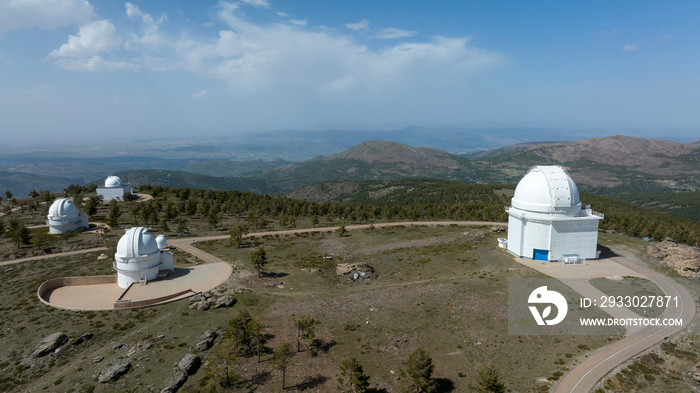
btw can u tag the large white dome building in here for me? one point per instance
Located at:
(140, 257)
(546, 220)
(114, 188)
(63, 216)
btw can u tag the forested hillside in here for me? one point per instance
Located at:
(679, 204)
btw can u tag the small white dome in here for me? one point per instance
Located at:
(62, 207)
(113, 181)
(547, 189)
(137, 242)
(161, 242)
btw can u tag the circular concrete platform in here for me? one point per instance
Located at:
(103, 293)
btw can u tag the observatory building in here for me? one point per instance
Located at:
(140, 257)
(546, 220)
(63, 216)
(113, 189)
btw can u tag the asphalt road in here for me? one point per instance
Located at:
(584, 377)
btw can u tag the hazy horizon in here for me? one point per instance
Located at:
(93, 71)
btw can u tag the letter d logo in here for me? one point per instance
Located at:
(542, 295)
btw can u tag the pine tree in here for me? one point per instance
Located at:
(19, 233)
(259, 258)
(353, 378)
(419, 368)
(489, 381)
(282, 359)
(236, 235)
(341, 230)
(305, 329)
(113, 215)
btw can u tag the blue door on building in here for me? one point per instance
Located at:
(540, 255)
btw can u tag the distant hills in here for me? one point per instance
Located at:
(178, 179)
(606, 165)
(374, 160)
(614, 164)
(223, 168)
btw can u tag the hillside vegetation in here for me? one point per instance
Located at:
(178, 179)
(425, 195)
(679, 204)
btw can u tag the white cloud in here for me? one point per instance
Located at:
(390, 33)
(666, 37)
(299, 22)
(93, 38)
(257, 3)
(96, 64)
(361, 25)
(200, 95)
(630, 47)
(255, 58)
(282, 14)
(45, 14)
(150, 34)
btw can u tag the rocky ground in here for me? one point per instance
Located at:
(684, 259)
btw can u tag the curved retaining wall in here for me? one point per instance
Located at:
(50, 285)
(148, 302)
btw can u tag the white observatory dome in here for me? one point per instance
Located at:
(62, 207)
(139, 257)
(162, 242)
(135, 245)
(113, 181)
(547, 189)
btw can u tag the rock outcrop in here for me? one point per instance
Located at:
(206, 340)
(49, 344)
(684, 259)
(114, 372)
(189, 363)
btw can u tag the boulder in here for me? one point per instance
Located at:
(81, 339)
(49, 344)
(225, 301)
(200, 297)
(203, 305)
(343, 269)
(114, 372)
(175, 383)
(189, 363)
(206, 340)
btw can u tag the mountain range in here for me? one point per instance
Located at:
(606, 165)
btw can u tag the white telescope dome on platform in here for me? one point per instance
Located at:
(546, 220)
(547, 189)
(63, 216)
(114, 189)
(113, 181)
(139, 259)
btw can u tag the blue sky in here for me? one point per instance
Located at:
(107, 70)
